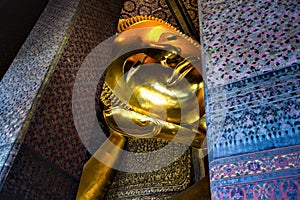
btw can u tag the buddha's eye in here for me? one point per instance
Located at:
(171, 38)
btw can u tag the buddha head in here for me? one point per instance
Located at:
(153, 85)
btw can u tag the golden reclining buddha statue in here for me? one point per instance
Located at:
(152, 91)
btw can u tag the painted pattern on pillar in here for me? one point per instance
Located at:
(252, 54)
(247, 38)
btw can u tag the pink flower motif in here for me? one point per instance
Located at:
(263, 192)
(237, 194)
(281, 162)
(254, 166)
(229, 170)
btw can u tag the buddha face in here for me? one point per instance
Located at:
(156, 81)
(149, 33)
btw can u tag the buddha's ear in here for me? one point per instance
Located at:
(202, 123)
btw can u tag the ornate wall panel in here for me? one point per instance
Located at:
(251, 53)
(21, 83)
(52, 132)
(246, 38)
(255, 114)
(51, 154)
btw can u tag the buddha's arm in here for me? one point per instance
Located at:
(96, 176)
